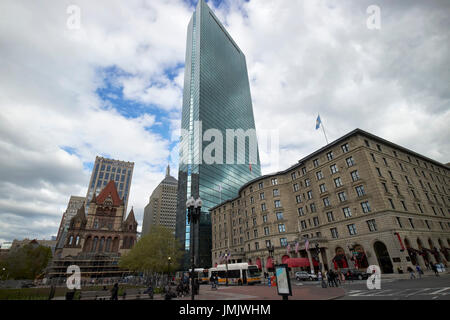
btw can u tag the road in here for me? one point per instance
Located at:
(426, 288)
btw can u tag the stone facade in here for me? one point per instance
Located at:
(95, 242)
(359, 201)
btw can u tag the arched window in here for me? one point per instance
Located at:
(70, 240)
(77, 242)
(108, 245)
(94, 244)
(102, 243)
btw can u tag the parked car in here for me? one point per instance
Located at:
(303, 275)
(353, 274)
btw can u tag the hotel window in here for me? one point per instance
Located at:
(252, 200)
(385, 187)
(398, 190)
(367, 143)
(281, 228)
(319, 175)
(307, 182)
(255, 233)
(261, 196)
(316, 221)
(330, 155)
(338, 182)
(298, 198)
(378, 147)
(283, 242)
(392, 203)
(263, 207)
(365, 206)
(316, 162)
(350, 162)
(404, 205)
(261, 185)
(345, 148)
(304, 170)
(296, 187)
(407, 180)
(264, 218)
(303, 224)
(274, 181)
(385, 162)
(333, 169)
(428, 224)
(268, 244)
(373, 157)
(399, 222)
(279, 215)
(330, 216)
(355, 175)
(351, 229)
(334, 233)
(395, 153)
(251, 188)
(391, 175)
(372, 226)
(277, 203)
(360, 191)
(379, 172)
(347, 212)
(313, 207)
(266, 231)
(253, 210)
(293, 175)
(301, 212)
(322, 188)
(276, 192)
(411, 222)
(326, 202)
(309, 193)
(342, 196)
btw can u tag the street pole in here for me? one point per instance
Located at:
(226, 263)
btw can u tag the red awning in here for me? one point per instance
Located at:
(269, 263)
(285, 259)
(258, 263)
(300, 262)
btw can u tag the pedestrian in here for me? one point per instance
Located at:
(115, 291)
(336, 279)
(319, 276)
(419, 271)
(330, 278)
(411, 273)
(434, 268)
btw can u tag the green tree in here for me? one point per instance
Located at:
(27, 262)
(150, 254)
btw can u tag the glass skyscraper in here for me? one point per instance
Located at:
(217, 95)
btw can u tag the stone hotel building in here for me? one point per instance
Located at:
(358, 201)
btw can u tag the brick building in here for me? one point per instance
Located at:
(361, 200)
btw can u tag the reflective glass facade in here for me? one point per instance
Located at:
(217, 93)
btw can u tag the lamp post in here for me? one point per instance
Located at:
(271, 249)
(194, 211)
(169, 260)
(226, 264)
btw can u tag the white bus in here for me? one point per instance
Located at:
(238, 273)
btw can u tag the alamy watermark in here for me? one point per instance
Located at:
(374, 280)
(74, 280)
(374, 20)
(74, 19)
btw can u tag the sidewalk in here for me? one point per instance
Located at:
(265, 293)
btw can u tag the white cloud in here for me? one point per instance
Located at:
(303, 57)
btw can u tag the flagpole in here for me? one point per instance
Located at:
(323, 129)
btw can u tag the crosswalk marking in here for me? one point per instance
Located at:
(401, 292)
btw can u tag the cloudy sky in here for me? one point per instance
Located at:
(112, 86)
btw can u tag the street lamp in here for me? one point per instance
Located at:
(169, 260)
(271, 249)
(194, 211)
(226, 264)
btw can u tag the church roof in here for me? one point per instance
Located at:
(131, 217)
(109, 190)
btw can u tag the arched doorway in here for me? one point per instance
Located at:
(425, 255)
(384, 260)
(434, 251)
(360, 258)
(411, 252)
(443, 250)
(340, 260)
